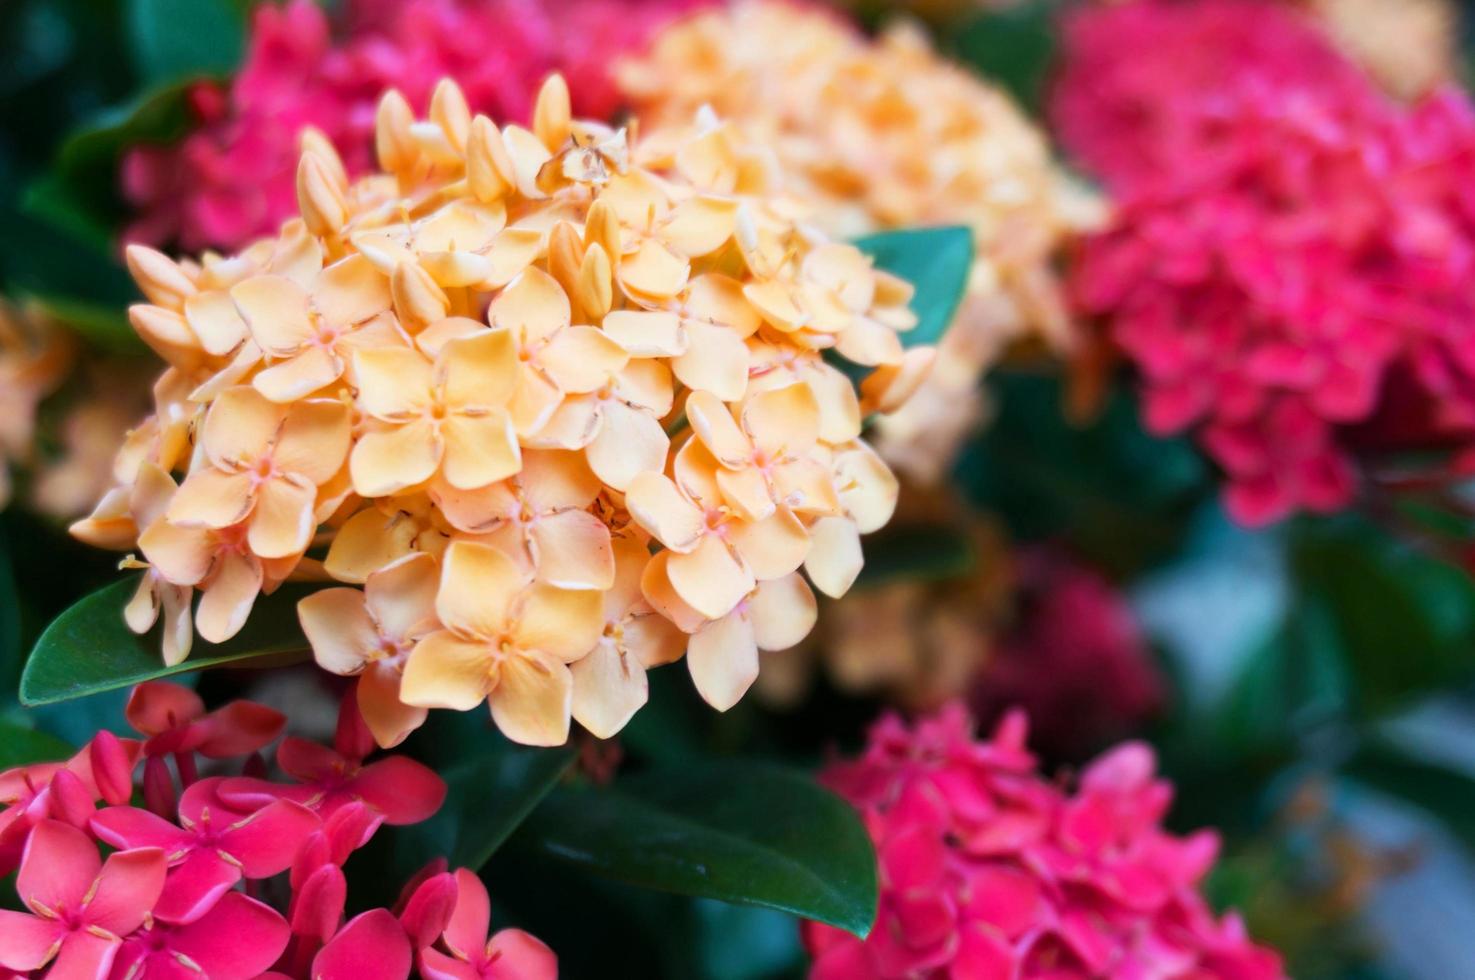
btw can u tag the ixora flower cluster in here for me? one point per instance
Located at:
(231, 179)
(886, 134)
(989, 870)
(1290, 280)
(188, 885)
(455, 383)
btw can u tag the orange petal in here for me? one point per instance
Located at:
(783, 421)
(393, 382)
(772, 547)
(572, 550)
(369, 540)
(700, 225)
(654, 271)
(533, 307)
(563, 623)
(479, 370)
(867, 487)
(716, 360)
(212, 498)
(314, 440)
(240, 427)
(478, 584)
(350, 291)
(713, 424)
(282, 523)
(479, 449)
(581, 359)
(655, 585)
(653, 640)
(390, 720)
(338, 627)
(445, 671)
(388, 461)
(554, 480)
(783, 611)
(663, 510)
(533, 699)
(227, 600)
(806, 487)
(835, 559)
(646, 334)
(646, 383)
(300, 376)
(710, 578)
(276, 312)
(723, 659)
(535, 401)
(629, 442)
(401, 597)
(214, 319)
(747, 492)
(181, 555)
(608, 689)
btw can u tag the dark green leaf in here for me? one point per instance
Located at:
(937, 261)
(913, 553)
(1402, 620)
(737, 832)
(1445, 793)
(10, 621)
(89, 648)
(1012, 46)
(492, 785)
(174, 39)
(22, 746)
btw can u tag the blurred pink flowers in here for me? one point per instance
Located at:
(167, 903)
(231, 180)
(1287, 263)
(1074, 659)
(990, 871)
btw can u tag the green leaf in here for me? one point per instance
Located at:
(1445, 793)
(89, 649)
(738, 832)
(173, 39)
(21, 746)
(1013, 47)
(937, 261)
(492, 786)
(1402, 620)
(910, 553)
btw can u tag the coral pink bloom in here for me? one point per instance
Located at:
(80, 907)
(236, 939)
(214, 849)
(509, 955)
(31, 793)
(173, 719)
(372, 946)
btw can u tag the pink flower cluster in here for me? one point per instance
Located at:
(1074, 658)
(187, 889)
(1289, 273)
(990, 872)
(231, 179)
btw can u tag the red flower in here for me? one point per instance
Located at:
(511, 954)
(988, 870)
(237, 939)
(81, 908)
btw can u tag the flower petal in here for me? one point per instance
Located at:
(714, 425)
(709, 578)
(338, 627)
(466, 933)
(723, 660)
(238, 939)
(581, 359)
(27, 942)
(372, 946)
(227, 600)
(211, 498)
(772, 547)
(127, 888)
(645, 334)
(478, 584)
(393, 382)
(480, 370)
(276, 312)
(562, 623)
(389, 719)
(299, 376)
(195, 885)
(629, 442)
(716, 360)
(783, 611)
(835, 559)
(350, 291)
(401, 597)
(783, 421)
(533, 307)
(572, 551)
(444, 671)
(609, 687)
(479, 449)
(57, 867)
(314, 440)
(516, 955)
(182, 555)
(239, 427)
(282, 523)
(659, 506)
(393, 459)
(533, 699)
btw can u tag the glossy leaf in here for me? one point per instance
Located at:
(738, 832)
(89, 648)
(1444, 793)
(1012, 47)
(916, 553)
(937, 261)
(172, 39)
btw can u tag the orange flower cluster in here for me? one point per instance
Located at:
(557, 402)
(885, 134)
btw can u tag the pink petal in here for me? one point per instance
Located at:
(155, 707)
(371, 947)
(307, 761)
(516, 955)
(982, 955)
(68, 799)
(266, 842)
(125, 827)
(352, 738)
(84, 956)
(236, 940)
(350, 827)
(317, 908)
(202, 801)
(466, 933)
(402, 789)
(429, 910)
(58, 866)
(127, 889)
(27, 941)
(194, 886)
(435, 965)
(248, 794)
(239, 728)
(112, 768)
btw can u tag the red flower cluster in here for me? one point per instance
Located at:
(166, 903)
(232, 179)
(990, 872)
(1291, 269)
(1074, 659)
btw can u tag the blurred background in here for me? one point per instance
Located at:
(1308, 684)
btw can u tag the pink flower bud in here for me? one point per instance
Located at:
(112, 768)
(429, 909)
(317, 907)
(158, 787)
(70, 800)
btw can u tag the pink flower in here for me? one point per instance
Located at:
(989, 870)
(213, 849)
(81, 908)
(372, 946)
(1286, 275)
(396, 788)
(236, 939)
(173, 719)
(232, 179)
(1074, 658)
(61, 790)
(511, 954)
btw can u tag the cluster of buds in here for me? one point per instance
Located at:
(231, 875)
(988, 869)
(559, 404)
(230, 180)
(885, 134)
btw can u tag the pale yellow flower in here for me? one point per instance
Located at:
(369, 634)
(507, 639)
(35, 356)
